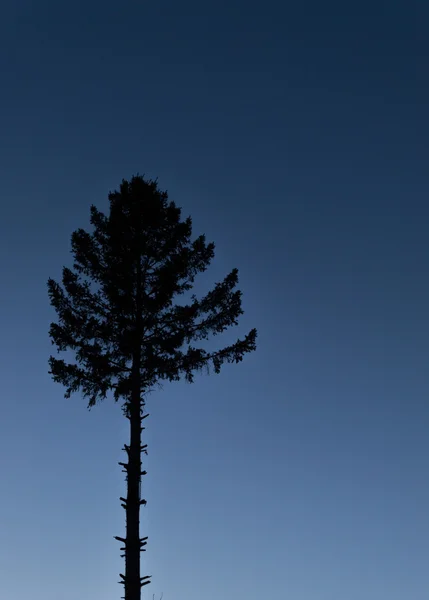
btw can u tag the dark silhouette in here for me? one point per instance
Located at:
(116, 312)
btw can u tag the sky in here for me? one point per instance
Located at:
(296, 135)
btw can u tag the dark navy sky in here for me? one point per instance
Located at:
(296, 136)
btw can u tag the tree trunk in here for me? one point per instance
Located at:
(133, 544)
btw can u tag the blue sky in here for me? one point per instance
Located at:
(295, 134)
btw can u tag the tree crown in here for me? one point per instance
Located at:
(117, 306)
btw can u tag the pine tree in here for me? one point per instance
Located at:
(117, 312)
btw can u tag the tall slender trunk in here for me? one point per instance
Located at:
(133, 543)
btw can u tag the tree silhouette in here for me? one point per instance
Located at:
(118, 313)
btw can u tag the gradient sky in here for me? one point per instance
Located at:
(297, 138)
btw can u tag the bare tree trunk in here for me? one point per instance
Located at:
(133, 544)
